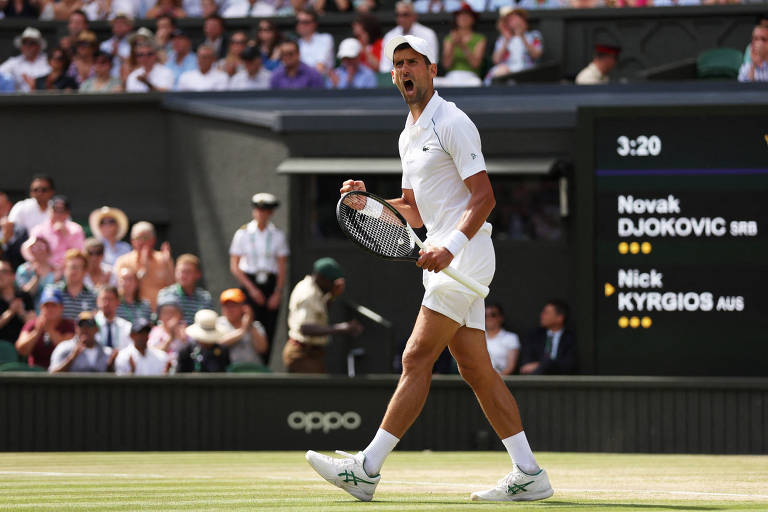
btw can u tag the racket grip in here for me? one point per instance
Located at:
(480, 289)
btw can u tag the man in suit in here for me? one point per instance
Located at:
(550, 349)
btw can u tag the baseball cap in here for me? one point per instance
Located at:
(417, 43)
(140, 324)
(329, 268)
(232, 295)
(349, 48)
(86, 318)
(51, 295)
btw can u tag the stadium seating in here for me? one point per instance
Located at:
(7, 352)
(247, 368)
(15, 366)
(722, 63)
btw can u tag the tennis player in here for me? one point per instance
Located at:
(445, 188)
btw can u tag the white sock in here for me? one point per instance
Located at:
(520, 453)
(383, 443)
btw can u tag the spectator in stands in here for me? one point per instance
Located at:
(86, 46)
(367, 29)
(142, 36)
(232, 63)
(37, 272)
(98, 273)
(60, 231)
(36, 209)
(550, 349)
(294, 74)
(308, 327)
(21, 9)
(118, 46)
(255, 76)
(464, 49)
(209, 8)
(16, 305)
(114, 332)
(213, 28)
(191, 297)
(149, 76)
(40, 336)
(268, 40)
(605, 59)
(517, 48)
(153, 268)
(315, 49)
(180, 58)
(11, 239)
(257, 259)
(57, 79)
(169, 335)
(762, 20)
(75, 295)
(166, 8)
(205, 354)
(503, 346)
(245, 338)
(249, 8)
(31, 64)
(364, 6)
(436, 6)
(407, 25)
(131, 307)
(82, 353)
(110, 225)
(206, 77)
(351, 74)
(326, 6)
(757, 69)
(102, 79)
(5, 205)
(138, 358)
(164, 27)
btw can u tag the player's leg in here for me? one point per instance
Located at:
(527, 481)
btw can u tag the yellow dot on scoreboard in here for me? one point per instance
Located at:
(634, 247)
(623, 322)
(623, 248)
(646, 247)
(634, 322)
(646, 322)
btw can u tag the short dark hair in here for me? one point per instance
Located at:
(215, 16)
(293, 42)
(309, 12)
(170, 18)
(497, 306)
(43, 177)
(81, 13)
(403, 46)
(561, 308)
(110, 289)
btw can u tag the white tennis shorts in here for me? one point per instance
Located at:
(451, 298)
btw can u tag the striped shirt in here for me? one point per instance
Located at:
(132, 312)
(74, 305)
(761, 72)
(190, 304)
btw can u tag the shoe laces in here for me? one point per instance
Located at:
(348, 458)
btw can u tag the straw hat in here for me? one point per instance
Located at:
(94, 221)
(26, 247)
(30, 33)
(205, 329)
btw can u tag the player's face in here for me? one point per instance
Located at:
(413, 76)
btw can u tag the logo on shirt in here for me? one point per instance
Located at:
(425, 149)
(473, 155)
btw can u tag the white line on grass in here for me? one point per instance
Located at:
(116, 475)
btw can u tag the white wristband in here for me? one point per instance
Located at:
(456, 242)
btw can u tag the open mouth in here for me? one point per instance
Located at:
(408, 85)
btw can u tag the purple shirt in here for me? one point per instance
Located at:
(306, 78)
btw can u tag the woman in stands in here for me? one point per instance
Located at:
(517, 48)
(367, 29)
(463, 49)
(268, 41)
(57, 79)
(37, 272)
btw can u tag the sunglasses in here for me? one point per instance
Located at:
(492, 315)
(305, 22)
(266, 29)
(288, 54)
(402, 14)
(96, 252)
(238, 41)
(39, 189)
(107, 220)
(29, 42)
(59, 209)
(143, 54)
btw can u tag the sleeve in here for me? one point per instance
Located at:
(743, 77)
(182, 84)
(122, 366)
(462, 141)
(406, 183)
(236, 248)
(511, 341)
(281, 248)
(13, 215)
(329, 55)
(58, 356)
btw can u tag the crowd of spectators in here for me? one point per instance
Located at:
(136, 59)
(71, 303)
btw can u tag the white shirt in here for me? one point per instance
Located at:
(27, 213)
(499, 346)
(160, 77)
(318, 50)
(121, 331)
(438, 152)
(258, 250)
(196, 80)
(151, 363)
(243, 9)
(591, 75)
(17, 67)
(417, 29)
(243, 81)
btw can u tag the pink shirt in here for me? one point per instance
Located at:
(72, 237)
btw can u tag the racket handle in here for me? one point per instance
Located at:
(480, 289)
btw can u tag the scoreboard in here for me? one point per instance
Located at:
(679, 284)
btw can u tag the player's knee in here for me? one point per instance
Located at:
(416, 359)
(473, 373)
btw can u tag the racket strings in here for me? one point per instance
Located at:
(377, 229)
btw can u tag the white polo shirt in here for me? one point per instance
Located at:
(243, 81)
(27, 213)
(17, 67)
(160, 76)
(319, 49)
(438, 152)
(151, 363)
(195, 80)
(258, 250)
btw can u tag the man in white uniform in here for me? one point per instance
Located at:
(445, 188)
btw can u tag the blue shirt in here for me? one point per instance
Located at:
(187, 64)
(364, 78)
(306, 78)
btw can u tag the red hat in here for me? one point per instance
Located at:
(607, 49)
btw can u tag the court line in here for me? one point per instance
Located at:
(116, 475)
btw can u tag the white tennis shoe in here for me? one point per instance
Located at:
(346, 473)
(518, 486)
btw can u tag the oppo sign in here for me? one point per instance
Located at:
(325, 421)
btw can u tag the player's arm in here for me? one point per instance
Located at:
(405, 204)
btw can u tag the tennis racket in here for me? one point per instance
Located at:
(376, 226)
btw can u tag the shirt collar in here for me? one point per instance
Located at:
(426, 116)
